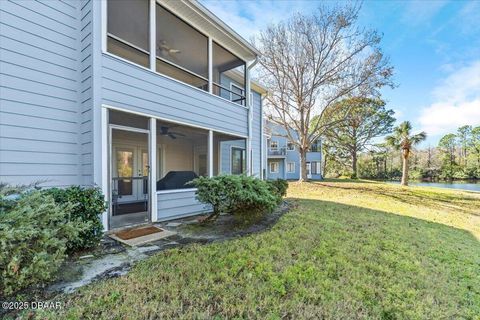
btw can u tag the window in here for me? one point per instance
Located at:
(273, 167)
(315, 146)
(290, 167)
(315, 167)
(225, 64)
(290, 146)
(128, 30)
(236, 94)
(238, 160)
(273, 145)
(182, 51)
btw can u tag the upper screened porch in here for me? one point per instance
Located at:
(183, 41)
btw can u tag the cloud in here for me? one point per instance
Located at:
(250, 17)
(420, 11)
(456, 102)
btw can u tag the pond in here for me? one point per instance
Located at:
(461, 185)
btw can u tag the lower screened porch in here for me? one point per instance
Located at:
(147, 154)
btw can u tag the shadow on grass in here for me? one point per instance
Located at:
(322, 260)
(417, 196)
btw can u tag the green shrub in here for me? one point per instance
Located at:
(235, 194)
(87, 206)
(278, 187)
(34, 231)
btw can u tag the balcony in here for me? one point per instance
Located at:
(280, 152)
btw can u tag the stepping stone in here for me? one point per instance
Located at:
(173, 224)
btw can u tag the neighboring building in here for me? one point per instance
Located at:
(132, 96)
(282, 158)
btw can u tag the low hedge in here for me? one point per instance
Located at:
(38, 229)
(34, 231)
(237, 194)
(87, 206)
(278, 187)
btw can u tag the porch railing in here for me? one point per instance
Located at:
(277, 152)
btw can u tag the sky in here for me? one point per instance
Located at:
(434, 46)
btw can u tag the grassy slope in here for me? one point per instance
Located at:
(348, 250)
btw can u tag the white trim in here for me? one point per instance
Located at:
(152, 149)
(288, 163)
(176, 190)
(270, 167)
(105, 166)
(172, 121)
(153, 35)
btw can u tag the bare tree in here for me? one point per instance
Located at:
(311, 61)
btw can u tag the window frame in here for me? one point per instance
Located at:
(243, 159)
(290, 143)
(291, 163)
(275, 163)
(270, 145)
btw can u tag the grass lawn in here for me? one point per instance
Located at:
(347, 250)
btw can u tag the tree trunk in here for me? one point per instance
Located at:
(303, 166)
(354, 165)
(405, 170)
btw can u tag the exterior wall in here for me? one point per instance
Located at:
(133, 88)
(278, 134)
(257, 134)
(281, 168)
(178, 203)
(226, 154)
(54, 81)
(41, 67)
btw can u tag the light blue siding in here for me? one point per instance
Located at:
(180, 203)
(280, 173)
(133, 88)
(278, 134)
(256, 134)
(39, 93)
(226, 154)
(54, 80)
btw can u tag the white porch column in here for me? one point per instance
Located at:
(210, 66)
(210, 153)
(152, 151)
(153, 35)
(104, 158)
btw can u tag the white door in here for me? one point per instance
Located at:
(130, 173)
(309, 170)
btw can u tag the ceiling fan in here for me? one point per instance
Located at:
(165, 131)
(165, 49)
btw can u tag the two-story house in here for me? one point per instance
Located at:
(282, 158)
(137, 97)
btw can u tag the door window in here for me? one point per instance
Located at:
(125, 171)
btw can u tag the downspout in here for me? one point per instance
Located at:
(250, 116)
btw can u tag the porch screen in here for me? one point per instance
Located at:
(128, 30)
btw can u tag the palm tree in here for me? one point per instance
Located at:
(402, 139)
